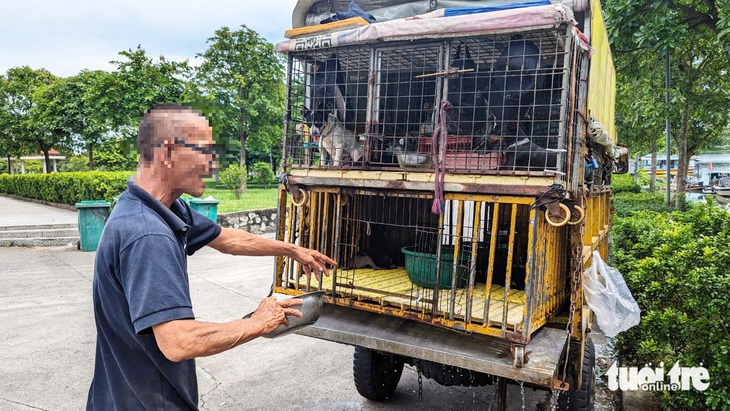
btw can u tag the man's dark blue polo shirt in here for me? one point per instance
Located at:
(140, 280)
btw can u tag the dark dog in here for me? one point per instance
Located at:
(464, 94)
(525, 155)
(515, 76)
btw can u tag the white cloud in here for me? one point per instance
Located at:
(70, 35)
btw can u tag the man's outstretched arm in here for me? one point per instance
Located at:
(239, 242)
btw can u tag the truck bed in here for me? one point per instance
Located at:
(417, 340)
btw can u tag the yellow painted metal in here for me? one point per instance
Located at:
(602, 76)
(485, 308)
(280, 232)
(473, 267)
(396, 291)
(530, 258)
(492, 253)
(457, 255)
(510, 256)
(422, 177)
(489, 198)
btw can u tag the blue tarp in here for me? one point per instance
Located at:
(460, 11)
(354, 11)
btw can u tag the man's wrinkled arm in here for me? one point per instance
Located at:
(186, 339)
(239, 242)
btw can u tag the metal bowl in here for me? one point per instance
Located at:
(413, 159)
(311, 309)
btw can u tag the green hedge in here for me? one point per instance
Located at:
(66, 188)
(677, 265)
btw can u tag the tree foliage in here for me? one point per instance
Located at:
(22, 99)
(240, 86)
(691, 30)
(138, 83)
(233, 178)
(68, 106)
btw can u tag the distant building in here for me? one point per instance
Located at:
(53, 155)
(661, 165)
(711, 167)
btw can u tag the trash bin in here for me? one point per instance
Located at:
(206, 206)
(92, 217)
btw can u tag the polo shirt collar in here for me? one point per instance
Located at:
(170, 215)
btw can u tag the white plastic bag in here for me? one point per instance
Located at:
(608, 296)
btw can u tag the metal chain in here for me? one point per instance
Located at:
(576, 265)
(420, 380)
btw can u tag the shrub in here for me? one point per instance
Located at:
(66, 188)
(262, 174)
(74, 163)
(626, 203)
(622, 183)
(677, 266)
(233, 178)
(113, 161)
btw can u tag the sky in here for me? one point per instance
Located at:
(67, 36)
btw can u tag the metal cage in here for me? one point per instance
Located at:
(489, 265)
(378, 107)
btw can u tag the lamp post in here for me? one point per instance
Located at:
(667, 142)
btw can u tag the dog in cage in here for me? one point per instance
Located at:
(465, 93)
(515, 78)
(524, 155)
(336, 142)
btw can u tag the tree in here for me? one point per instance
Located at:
(67, 105)
(139, 83)
(639, 112)
(690, 30)
(23, 90)
(241, 79)
(9, 147)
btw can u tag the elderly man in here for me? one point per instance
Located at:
(147, 334)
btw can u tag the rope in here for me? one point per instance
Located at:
(438, 183)
(556, 192)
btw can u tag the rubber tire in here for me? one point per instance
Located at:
(376, 374)
(583, 399)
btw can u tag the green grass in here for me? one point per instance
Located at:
(252, 199)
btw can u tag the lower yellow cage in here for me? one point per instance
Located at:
(489, 264)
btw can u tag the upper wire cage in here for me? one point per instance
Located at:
(378, 106)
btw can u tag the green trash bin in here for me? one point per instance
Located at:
(92, 217)
(206, 207)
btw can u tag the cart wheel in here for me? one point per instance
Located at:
(376, 374)
(582, 399)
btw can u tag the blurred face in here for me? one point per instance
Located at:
(191, 157)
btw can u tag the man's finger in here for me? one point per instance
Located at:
(292, 311)
(331, 262)
(291, 302)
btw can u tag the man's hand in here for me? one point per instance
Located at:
(313, 261)
(272, 313)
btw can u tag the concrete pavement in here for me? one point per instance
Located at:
(24, 213)
(47, 336)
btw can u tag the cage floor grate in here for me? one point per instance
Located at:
(395, 289)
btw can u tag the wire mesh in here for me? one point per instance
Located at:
(377, 106)
(466, 267)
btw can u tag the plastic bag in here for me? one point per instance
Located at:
(608, 296)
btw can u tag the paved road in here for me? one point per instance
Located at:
(47, 339)
(16, 212)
